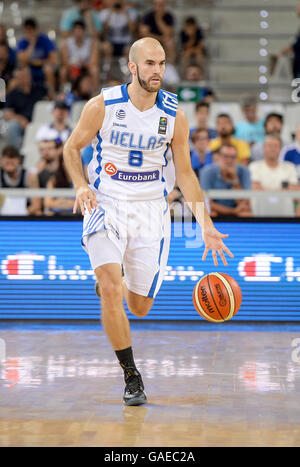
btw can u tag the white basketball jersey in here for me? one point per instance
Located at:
(130, 149)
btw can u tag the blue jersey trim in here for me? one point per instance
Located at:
(99, 159)
(162, 169)
(124, 97)
(154, 283)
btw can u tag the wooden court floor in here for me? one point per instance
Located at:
(63, 387)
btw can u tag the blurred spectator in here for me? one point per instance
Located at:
(227, 175)
(81, 90)
(291, 152)
(79, 53)
(50, 151)
(270, 173)
(19, 105)
(251, 129)
(273, 125)
(39, 52)
(201, 155)
(202, 115)
(294, 49)
(191, 38)
(12, 52)
(119, 25)
(13, 175)
(225, 129)
(6, 66)
(59, 127)
(83, 11)
(194, 73)
(61, 179)
(159, 23)
(209, 96)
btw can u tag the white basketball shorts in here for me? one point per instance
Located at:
(133, 233)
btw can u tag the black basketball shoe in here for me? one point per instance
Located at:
(97, 289)
(134, 391)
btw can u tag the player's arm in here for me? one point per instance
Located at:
(86, 129)
(191, 190)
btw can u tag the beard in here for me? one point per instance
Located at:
(145, 84)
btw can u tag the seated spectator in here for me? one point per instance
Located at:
(19, 105)
(6, 66)
(227, 174)
(59, 206)
(83, 11)
(201, 155)
(79, 53)
(159, 23)
(50, 151)
(39, 52)
(202, 115)
(273, 125)
(191, 38)
(251, 129)
(119, 25)
(81, 90)
(270, 173)
(291, 152)
(58, 129)
(225, 129)
(194, 73)
(13, 175)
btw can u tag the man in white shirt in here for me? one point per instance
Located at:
(270, 173)
(119, 27)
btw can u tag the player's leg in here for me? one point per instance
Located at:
(146, 257)
(139, 305)
(106, 260)
(114, 319)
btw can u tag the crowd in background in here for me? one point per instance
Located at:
(90, 53)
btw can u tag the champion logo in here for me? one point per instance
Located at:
(120, 114)
(110, 168)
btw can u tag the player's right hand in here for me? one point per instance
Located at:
(85, 199)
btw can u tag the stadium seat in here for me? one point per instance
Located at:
(269, 205)
(30, 148)
(76, 112)
(264, 109)
(292, 116)
(189, 110)
(231, 108)
(42, 112)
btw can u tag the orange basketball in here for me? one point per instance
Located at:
(217, 297)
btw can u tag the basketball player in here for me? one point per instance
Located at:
(133, 126)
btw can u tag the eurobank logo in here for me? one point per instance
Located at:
(264, 267)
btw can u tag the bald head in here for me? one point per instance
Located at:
(147, 45)
(147, 61)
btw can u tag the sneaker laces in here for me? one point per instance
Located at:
(133, 380)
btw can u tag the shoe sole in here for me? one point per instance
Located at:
(137, 401)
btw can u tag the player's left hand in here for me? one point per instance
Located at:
(213, 241)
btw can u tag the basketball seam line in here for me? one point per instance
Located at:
(206, 316)
(214, 298)
(230, 294)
